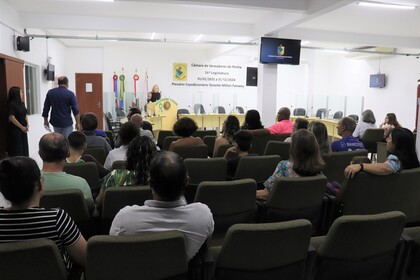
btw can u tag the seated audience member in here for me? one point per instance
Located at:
(348, 142)
(140, 152)
(53, 150)
(321, 134)
(401, 144)
(252, 120)
(284, 124)
(241, 145)
(127, 132)
(21, 184)
(360, 159)
(230, 127)
(300, 123)
(305, 160)
(89, 123)
(77, 144)
(185, 128)
(137, 119)
(146, 125)
(389, 123)
(368, 121)
(168, 210)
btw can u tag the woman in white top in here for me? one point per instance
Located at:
(368, 121)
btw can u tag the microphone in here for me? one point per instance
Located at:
(190, 109)
(211, 108)
(230, 107)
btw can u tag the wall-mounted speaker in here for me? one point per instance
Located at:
(251, 76)
(22, 43)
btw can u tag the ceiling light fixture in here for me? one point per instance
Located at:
(386, 5)
(198, 38)
(153, 36)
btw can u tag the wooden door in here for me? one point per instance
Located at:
(89, 94)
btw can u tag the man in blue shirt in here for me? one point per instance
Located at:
(62, 102)
(345, 128)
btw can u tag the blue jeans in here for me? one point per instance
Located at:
(64, 130)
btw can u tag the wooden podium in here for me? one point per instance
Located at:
(165, 107)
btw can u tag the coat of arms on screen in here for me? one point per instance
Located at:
(280, 50)
(180, 71)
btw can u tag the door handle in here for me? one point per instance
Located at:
(99, 104)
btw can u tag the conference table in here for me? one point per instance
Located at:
(331, 125)
(211, 120)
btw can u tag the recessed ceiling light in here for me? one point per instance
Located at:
(386, 5)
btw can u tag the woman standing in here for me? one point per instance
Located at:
(18, 124)
(154, 95)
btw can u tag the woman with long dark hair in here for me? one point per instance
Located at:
(389, 123)
(230, 127)
(18, 128)
(252, 120)
(402, 146)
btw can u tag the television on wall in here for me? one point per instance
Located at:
(377, 81)
(279, 51)
(50, 72)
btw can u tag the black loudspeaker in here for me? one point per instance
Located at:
(251, 76)
(22, 44)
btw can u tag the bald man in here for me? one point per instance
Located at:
(284, 124)
(137, 119)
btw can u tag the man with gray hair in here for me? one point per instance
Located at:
(345, 128)
(137, 119)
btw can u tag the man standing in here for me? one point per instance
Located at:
(169, 209)
(63, 102)
(284, 124)
(345, 128)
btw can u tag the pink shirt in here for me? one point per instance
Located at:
(284, 126)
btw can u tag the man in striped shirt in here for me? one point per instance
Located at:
(21, 184)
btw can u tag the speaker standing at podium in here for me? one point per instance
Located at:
(154, 95)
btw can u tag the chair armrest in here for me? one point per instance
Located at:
(201, 267)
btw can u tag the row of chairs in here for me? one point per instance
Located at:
(199, 109)
(356, 247)
(322, 112)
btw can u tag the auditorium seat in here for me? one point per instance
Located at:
(162, 135)
(98, 153)
(195, 151)
(258, 168)
(264, 251)
(279, 148)
(336, 162)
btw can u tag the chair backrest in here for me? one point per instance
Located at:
(259, 142)
(37, 259)
(119, 164)
(360, 247)
(381, 152)
(240, 110)
(203, 133)
(276, 251)
(366, 194)
(199, 109)
(116, 198)
(196, 151)
(299, 112)
(354, 117)
(321, 113)
(258, 168)
(219, 110)
(371, 137)
(209, 169)
(222, 150)
(168, 141)
(296, 198)
(278, 148)
(86, 170)
(338, 115)
(110, 136)
(98, 153)
(182, 111)
(230, 202)
(162, 135)
(159, 255)
(209, 141)
(336, 162)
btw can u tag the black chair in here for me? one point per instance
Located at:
(354, 117)
(196, 151)
(86, 170)
(222, 150)
(98, 153)
(168, 141)
(370, 139)
(162, 135)
(299, 112)
(203, 133)
(199, 109)
(110, 136)
(321, 113)
(240, 110)
(338, 115)
(219, 110)
(113, 126)
(181, 111)
(209, 141)
(278, 148)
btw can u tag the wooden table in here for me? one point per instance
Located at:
(331, 125)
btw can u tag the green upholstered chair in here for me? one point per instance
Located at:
(278, 148)
(336, 162)
(37, 259)
(209, 141)
(203, 169)
(168, 141)
(381, 152)
(258, 144)
(359, 247)
(119, 164)
(98, 153)
(296, 198)
(203, 133)
(196, 151)
(412, 270)
(263, 251)
(230, 202)
(86, 170)
(158, 255)
(116, 198)
(162, 135)
(370, 137)
(222, 150)
(110, 136)
(258, 168)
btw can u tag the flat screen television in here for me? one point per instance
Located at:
(50, 72)
(377, 81)
(279, 51)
